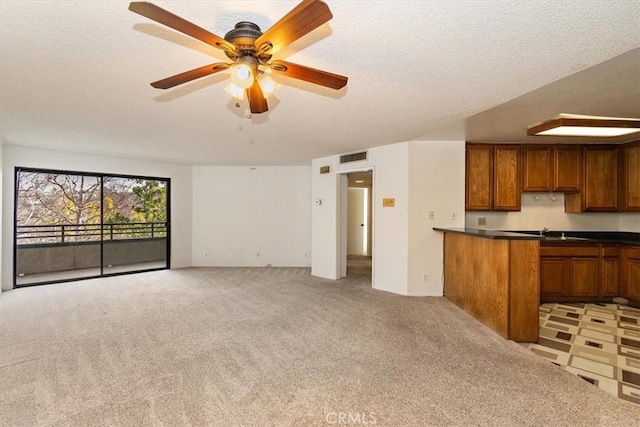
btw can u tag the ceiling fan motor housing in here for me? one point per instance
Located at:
(244, 36)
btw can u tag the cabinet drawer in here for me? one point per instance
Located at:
(610, 251)
(569, 251)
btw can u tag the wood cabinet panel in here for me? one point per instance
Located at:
(584, 277)
(567, 173)
(537, 168)
(630, 273)
(609, 277)
(585, 270)
(479, 178)
(563, 250)
(554, 274)
(600, 179)
(633, 277)
(507, 181)
(629, 185)
(496, 281)
(524, 290)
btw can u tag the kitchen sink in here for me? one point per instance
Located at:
(562, 238)
(555, 235)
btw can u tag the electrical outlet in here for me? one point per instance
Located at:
(432, 215)
(454, 216)
(257, 254)
(482, 221)
(426, 278)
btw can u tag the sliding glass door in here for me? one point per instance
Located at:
(134, 224)
(71, 225)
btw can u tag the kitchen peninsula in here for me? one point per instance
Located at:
(495, 277)
(499, 277)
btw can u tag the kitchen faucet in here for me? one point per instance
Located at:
(544, 231)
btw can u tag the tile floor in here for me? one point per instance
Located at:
(598, 342)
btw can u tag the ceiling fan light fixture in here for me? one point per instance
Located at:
(268, 86)
(586, 126)
(243, 72)
(235, 90)
(242, 75)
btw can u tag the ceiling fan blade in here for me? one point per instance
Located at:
(162, 16)
(301, 20)
(311, 75)
(257, 101)
(187, 76)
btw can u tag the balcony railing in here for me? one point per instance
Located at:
(72, 233)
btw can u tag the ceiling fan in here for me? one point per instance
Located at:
(250, 51)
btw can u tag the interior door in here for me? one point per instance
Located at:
(356, 218)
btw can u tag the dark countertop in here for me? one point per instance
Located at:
(489, 234)
(613, 237)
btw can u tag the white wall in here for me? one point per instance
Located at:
(545, 212)
(404, 246)
(251, 216)
(18, 156)
(1, 149)
(325, 219)
(390, 180)
(436, 184)
(390, 225)
(630, 222)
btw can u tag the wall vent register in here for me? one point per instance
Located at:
(353, 157)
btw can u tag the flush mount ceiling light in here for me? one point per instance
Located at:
(250, 51)
(585, 126)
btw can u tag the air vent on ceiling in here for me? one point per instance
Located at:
(353, 157)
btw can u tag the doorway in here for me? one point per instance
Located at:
(357, 224)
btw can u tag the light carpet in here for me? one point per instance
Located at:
(271, 346)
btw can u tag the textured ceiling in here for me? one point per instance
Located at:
(75, 75)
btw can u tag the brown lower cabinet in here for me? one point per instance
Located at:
(630, 273)
(580, 272)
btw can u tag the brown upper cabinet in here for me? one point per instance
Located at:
(507, 186)
(600, 181)
(567, 173)
(493, 180)
(595, 178)
(538, 166)
(629, 185)
(479, 178)
(552, 168)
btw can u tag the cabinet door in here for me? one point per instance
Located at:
(609, 277)
(584, 277)
(537, 168)
(630, 273)
(629, 162)
(507, 181)
(479, 178)
(554, 274)
(600, 179)
(567, 173)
